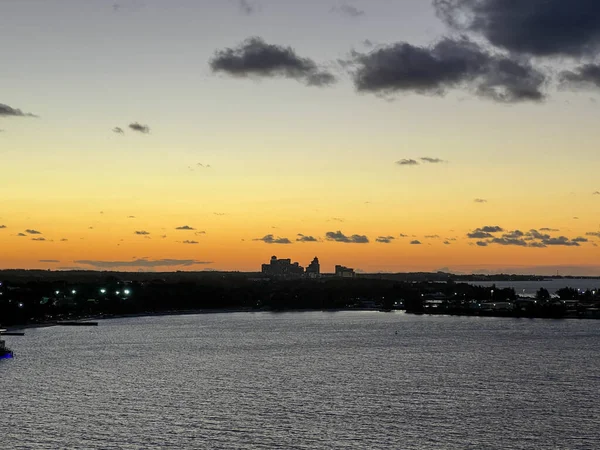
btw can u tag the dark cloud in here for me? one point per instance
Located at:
(480, 200)
(21, 234)
(482, 243)
(385, 239)
(593, 233)
(2, 226)
(7, 111)
(549, 229)
(585, 76)
(141, 233)
(403, 235)
(509, 241)
(30, 231)
(429, 160)
(562, 240)
(407, 162)
(449, 64)
(446, 243)
(303, 238)
(38, 239)
(118, 130)
(478, 234)
(185, 228)
(143, 263)
(190, 242)
(491, 229)
(338, 236)
(49, 261)
(484, 232)
(64, 240)
(431, 236)
(255, 58)
(348, 10)
(415, 242)
(270, 239)
(145, 129)
(579, 239)
(534, 27)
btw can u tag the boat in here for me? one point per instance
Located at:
(5, 352)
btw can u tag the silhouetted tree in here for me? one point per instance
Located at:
(542, 294)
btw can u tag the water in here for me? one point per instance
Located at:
(529, 288)
(305, 381)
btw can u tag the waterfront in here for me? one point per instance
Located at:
(307, 381)
(529, 288)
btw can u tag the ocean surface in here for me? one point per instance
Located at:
(529, 288)
(316, 380)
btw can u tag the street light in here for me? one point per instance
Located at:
(73, 292)
(103, 291)
(126, 291)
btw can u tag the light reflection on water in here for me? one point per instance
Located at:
(305, 381)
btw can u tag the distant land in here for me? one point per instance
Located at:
(24, 275)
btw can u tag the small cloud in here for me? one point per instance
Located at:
(446, 243)
(219, 214)
(338, 219)
(38, 239)
(246, 7)
(2, 227)
(21, 234)
(131, 217)
(118, 130)
(415, 242)
(256, 58)
(270, 239)
(549, 229)
(576, 218)
(141, 233)
(429, 160)
(49, 261)
(431, 236)
(579, 239)
(185, 228)
(199, 233)
(404, 235)
(30, 231)
(190, 242)
(144, 129)
(348, 11)
(407, 162)
(303, 238)
(338, 236)
(64, 240)
(7, 111)
(596, 193)
(593, 233)
(385, 239)
(480, 200)
(482, 243)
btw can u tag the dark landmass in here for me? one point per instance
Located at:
(43, 297)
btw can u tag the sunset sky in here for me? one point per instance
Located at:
(384, 135)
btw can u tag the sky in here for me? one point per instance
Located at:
(383, 135)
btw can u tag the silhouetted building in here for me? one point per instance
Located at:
(314, 269)
(344, 272)
(282, 267)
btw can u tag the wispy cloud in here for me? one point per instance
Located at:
(480, 200)
(118, 130)
(385, 239)
(348, 11)
(190, 242)
(185, 228)
(304, 238)
(30, 231)
(338, 236)
(141, 233)
(38, 239)
(407, 162)
(270, 239)
(7, 111)
(142, 263)
(2, 227)
(50, 261)
(427, 159)
(246, 7)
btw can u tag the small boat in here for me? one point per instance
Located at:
(5, 352)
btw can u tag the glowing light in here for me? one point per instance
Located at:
(103, 291)
(57, 292)
(118, 292)
(126, 291)
(73, 292)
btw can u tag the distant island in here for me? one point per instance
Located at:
(43, 297)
